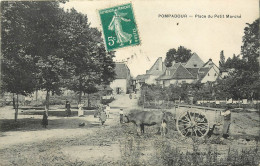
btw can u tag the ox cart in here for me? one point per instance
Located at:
(192, 123)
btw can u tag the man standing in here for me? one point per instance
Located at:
(67, 106)
(227, 121)
(121, 115)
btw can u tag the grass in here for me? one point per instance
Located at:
(209, 156)
(165, 151)
(148, 149)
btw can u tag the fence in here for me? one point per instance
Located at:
(163, 104)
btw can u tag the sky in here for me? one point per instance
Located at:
(204, 36)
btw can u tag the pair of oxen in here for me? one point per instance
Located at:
(148, 118)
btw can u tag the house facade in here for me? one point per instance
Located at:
(157, 69)
(122, 82)
(194, 70)
(176, 75)
(209, 72)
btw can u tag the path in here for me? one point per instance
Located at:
(62, 127)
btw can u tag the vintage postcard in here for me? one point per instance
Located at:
(129, 83)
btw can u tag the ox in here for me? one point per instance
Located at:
(149, 118)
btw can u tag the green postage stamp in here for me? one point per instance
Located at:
(119, 27)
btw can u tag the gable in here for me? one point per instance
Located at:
(158, 68)
(194, 62)
(210, 75)
(122, 71)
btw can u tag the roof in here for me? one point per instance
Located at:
(158, 68)
(194, 62)
(209, 63)
(106, 87)
(177, 71)
(141, 78)
(193, 71)
(122, 71)
(202, 72)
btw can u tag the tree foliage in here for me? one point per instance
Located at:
(244, 78)
(87, 62)
(250, 49)
(45, 47)
(182, 55)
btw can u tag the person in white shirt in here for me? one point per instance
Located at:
(227, 121)
(80, 111)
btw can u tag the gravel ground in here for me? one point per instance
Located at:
(64, 142)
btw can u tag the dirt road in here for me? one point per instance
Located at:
(64, 142)
(60, 127)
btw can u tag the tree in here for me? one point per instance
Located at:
(32, 37)
(87, 62)
(250, 49)
(243, 82)
(17, 74)
(235, 63)
(182, 55)
(46, 34)
(222, 60)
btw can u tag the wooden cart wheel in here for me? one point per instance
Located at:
(192, 123)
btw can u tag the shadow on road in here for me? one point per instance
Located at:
(57, 120)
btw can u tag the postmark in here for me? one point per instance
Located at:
(119, 27)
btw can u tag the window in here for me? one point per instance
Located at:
(195, 65)
(215, 74)
(208, 74)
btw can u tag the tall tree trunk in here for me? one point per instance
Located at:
(16, 109)
(80, 96)
(36, 94)
(88, 101)
(47, 103)
(13, 101)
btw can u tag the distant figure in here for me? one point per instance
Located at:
(103, 117)
(227, 121)
(121, 115)
(80, 111)
(45, 119)
(67, 106)
(107, 110)
(163, 127)
(130, 95)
